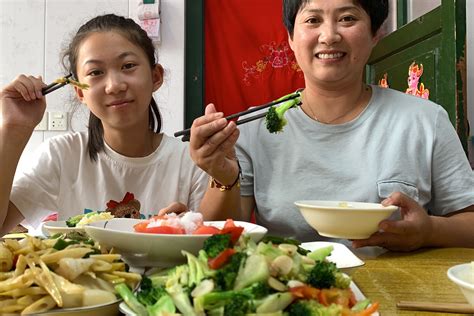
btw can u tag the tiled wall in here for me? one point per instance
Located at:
(34, 32)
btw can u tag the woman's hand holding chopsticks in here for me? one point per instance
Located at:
(212, 143)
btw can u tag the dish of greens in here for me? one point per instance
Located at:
(237, 276)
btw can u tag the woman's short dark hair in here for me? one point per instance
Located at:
(136, 35)
(376, 9)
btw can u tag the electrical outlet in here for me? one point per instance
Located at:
(57, 121)
(43, 125)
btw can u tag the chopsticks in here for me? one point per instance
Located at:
(436, 307)
(55, 85)
(187, 132)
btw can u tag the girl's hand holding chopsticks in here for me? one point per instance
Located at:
(22, 102)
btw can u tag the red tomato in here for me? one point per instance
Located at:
(305, 292)
(207, 230)
(229, 223)
(234, 231)
(141, 226)
(222, 258)
(165, 230)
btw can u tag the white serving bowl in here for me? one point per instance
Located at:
(463, 276)
(54, 227)
(348, 220)
(155, 250)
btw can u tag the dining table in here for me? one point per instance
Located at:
(418, 276)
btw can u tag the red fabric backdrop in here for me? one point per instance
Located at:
(247, 57)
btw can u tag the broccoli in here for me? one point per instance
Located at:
(234, 302)
(282, 240)
(215, 244)
(274, 118)
(321, 253)
(254, 270)
(322, 275)
(225, 276)
(155, 299)
(313, 308)
(127, 295)
(72, 221)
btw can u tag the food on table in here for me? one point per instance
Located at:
(72, 82)
(184, 223)
(129, 207)
(65, 271)
(91, 217)
(246, 278)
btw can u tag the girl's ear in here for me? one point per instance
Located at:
(79, 94)
(157, 77)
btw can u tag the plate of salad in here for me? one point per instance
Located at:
(74, 223)
(144, 243)
(248, 278)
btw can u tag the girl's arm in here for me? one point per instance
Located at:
(22, 106)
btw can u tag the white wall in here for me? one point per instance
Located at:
(33, 33)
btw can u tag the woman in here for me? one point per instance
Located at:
(123, 150)
(349, 141)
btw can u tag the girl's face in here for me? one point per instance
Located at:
(332, 41)
(120, 79)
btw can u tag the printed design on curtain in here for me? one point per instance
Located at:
(383, 83)
(414, 74)
(274, 57)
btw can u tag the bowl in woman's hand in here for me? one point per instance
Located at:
(348, 220)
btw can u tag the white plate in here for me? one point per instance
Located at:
(151, 250)
(108, 309)
(341, 255)
(123, 307)
(54, 227)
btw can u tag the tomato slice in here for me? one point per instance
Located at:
(305, 292)
(234, 231)
(229, 223)
(165, 230)
(221, 259)
(207, 230)
(141, 226)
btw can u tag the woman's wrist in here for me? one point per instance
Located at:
(226, 185)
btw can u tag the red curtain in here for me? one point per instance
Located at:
(247, 57)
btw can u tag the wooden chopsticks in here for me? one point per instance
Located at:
(436, 307)
(187, 132)
(55, 85)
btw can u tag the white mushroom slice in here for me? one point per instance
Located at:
(276, 284)
(281, 265)
(289, 249)
(294, 283)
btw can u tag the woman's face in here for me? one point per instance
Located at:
(120, 79)
(332, 41)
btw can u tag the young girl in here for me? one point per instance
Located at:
(123, 150)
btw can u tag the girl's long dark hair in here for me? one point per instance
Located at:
(136, 35)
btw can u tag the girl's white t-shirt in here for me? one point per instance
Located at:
(65, 180)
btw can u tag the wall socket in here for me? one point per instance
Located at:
(57, 121)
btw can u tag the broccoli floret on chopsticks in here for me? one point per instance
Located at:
(275, 120)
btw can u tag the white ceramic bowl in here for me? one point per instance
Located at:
(150, 250)
(55, 227)
(463, 276)
(349, 220)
